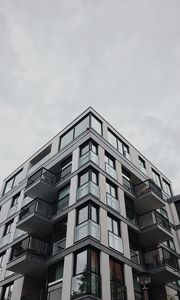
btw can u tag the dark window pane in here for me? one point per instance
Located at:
(110, 224)
(56, 272)
(81, 127)
(81, 262)
(55, 294)
(96, 124)
(67, 138)
(94, 148)
(94, 262)
(84, 149)
(94, 177)
(83, 215)
(115, 227)
(120, 146)
(84, 178)
(119, 273)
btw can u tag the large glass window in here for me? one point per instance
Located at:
(88, 175)
(8, 227)
(66, 166)
(14, 181)
(156, 178)
(112, 139)
(87, 260)
(116, 271)
(80, 127)
(88, 212)
(113, 226)
(121, 146)
(7, 292)
(167, 187)
(88, 146)
(111, 189)
(15, 199)
(130, 210)
(110, 160)
(63, 199)
(142, 165)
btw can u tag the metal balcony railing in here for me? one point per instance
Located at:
(86, 283)
(38, 206)
(30, 245)
(42, 174)
(148, 186)
(160, 256)
(152, 218)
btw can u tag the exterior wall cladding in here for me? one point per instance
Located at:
(89, 217)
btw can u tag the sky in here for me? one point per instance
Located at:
(121, 57)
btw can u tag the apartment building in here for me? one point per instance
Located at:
(89, 217)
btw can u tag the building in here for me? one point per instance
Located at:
(89, 217)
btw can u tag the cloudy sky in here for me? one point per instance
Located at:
(122, 57)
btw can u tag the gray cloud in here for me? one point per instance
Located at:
(121, 57)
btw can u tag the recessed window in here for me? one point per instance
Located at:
(81, 127)
(15, 200)
(121, 146)
(66, 167)
(8, 227)
(14, 181)
(156, 178)
(116, 271)
(88, 212)
(40, 157)
(87, 260)
(88, 175)
(96, 124)
(90, 145)
(63, 199)
(142, 165)
(67, 138)
(7, 292)
(110, 160)
(111, 189)
(55, 272)
(113, 226)
(167, 187)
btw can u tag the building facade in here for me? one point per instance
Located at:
(89, 217)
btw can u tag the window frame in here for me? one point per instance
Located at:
(13, 179)
(90, 143)
(89, 171)
(89, 206)
(88, 261)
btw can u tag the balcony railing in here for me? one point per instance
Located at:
(86, 283)
(118, 291)
(160, 256)
(38, 206)
(30, 245)
(152, 218)
(112, 202)
(88, 188)
(87, 228)
(111, 171)
(115, 242)
(147, 186)
(87, 157)
(128, 185)
(42, 174)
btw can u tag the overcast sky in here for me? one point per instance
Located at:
(58, 57)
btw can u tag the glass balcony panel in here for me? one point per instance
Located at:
(87, 157)
(118, 292)
(147, 187)
(112, 202)
(88, 228)
(111, 171)
(38, 206)
(115, 242)
(42, 174)
(160, 256)
(86, 283)
(154, 217)
(128, 185)
(87, 188)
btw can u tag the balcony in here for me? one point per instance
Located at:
(115, 242)
(155, 229)
(35, 218)
(87, 283)
(111, 171)
(42, 185)
(135, 256)
(112, 202)
(128, 185)
(27, 257)
(87, 228)
(149, 196)
(89, 156)
(163, 266)
(118, 291)
(88, 188)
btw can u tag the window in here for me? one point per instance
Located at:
(63, 199)
(121, 146)
(2, 259)
(167, 187)
(156, 178)
(88, 212)
(89, 146)
(109, 160)
(7, 292)
(130, 210)
(142, 165)
(14, 181)
(55, 272)
(113, 226)
(66, 167)
(111, 189)
(118, 290)
(87, 122)
(88, 175)
(8, 227)
(87, 260)
(15, 200)
(126, 178)
(40, 158)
